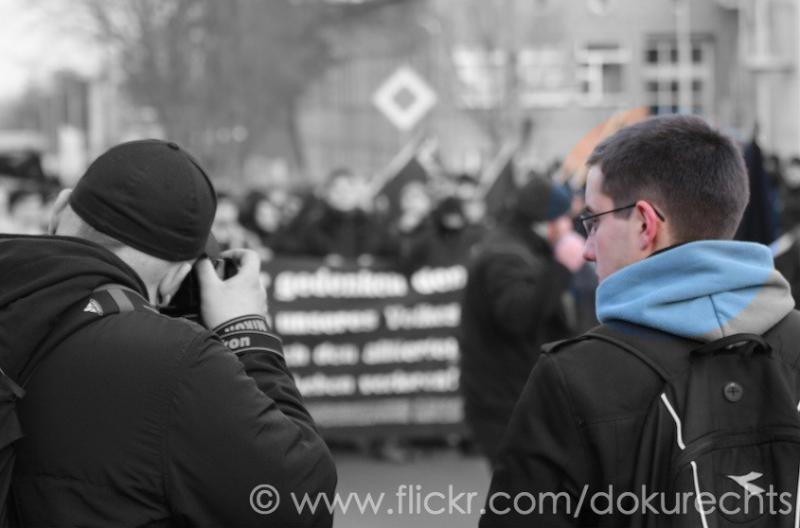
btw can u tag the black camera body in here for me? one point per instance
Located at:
(186, 302)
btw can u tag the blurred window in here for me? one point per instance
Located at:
(538, 74)
(601, 72)
(662, 72)
(543, 7)
(482, 76)
(542, 77)
(601, 7)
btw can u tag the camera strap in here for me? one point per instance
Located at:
(247, 334)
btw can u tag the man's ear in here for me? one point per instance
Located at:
(651, 231)
(58, 209)
(172, 281)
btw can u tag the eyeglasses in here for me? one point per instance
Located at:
(590, 222)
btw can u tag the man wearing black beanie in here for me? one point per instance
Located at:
(133, 418)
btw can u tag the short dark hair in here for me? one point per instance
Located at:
(692, 173)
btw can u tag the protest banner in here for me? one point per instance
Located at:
(373, 351)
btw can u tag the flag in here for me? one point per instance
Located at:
(405, 168)
(573, 169)
(758, 222)
(498, 184)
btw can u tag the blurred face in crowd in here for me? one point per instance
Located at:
(792, 174)
(267, 216)
(558, 227)
(442, 188)
(466, 190)
(28, 210)
(451, 215)
(226, 221)
(475, 210)
(345, 192)
(453, 221)
(415, 200)
(290, 207)
(287, 204)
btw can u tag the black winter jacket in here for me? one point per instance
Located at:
(137, 419)
(579, 433)
(349, 234)
(512, 305)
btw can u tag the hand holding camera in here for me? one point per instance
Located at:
(242, 294)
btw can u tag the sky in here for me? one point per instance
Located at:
(35, 40)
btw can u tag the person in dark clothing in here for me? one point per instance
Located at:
(341, 228)
(786, 255)
(467, 190)
(25, 207)
(133, 418)
(226, 228)
(664, 198)
(411, 224)
(758, 221)
(786, 249)
(445, 237)
(262, 217)
(512, 304)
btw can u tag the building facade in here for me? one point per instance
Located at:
(563, 67)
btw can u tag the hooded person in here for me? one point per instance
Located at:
(513, 303)
(445, 237)
(131, 417)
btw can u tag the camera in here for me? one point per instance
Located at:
(186, 302)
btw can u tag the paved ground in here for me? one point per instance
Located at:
(434, 474)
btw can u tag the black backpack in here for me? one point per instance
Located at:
(10, 432)
(725, 428)
(104, 300)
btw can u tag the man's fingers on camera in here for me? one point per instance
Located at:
(246, 260)
(205, 271)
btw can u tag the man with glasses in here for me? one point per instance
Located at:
(663, 200)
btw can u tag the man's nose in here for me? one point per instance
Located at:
(588, 250)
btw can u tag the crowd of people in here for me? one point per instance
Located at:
(343, 220)
(679, 379)
(23, 208)
(431, 223)
(437, 221)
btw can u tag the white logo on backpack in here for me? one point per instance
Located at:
(94, 307)
(745, 481)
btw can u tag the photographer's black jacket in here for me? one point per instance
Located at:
(137, 419)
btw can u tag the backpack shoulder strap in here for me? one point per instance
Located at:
(783, 337)
(636, 341)
(667, 363)
(604, 333)
(112, 298)
(105, 300)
